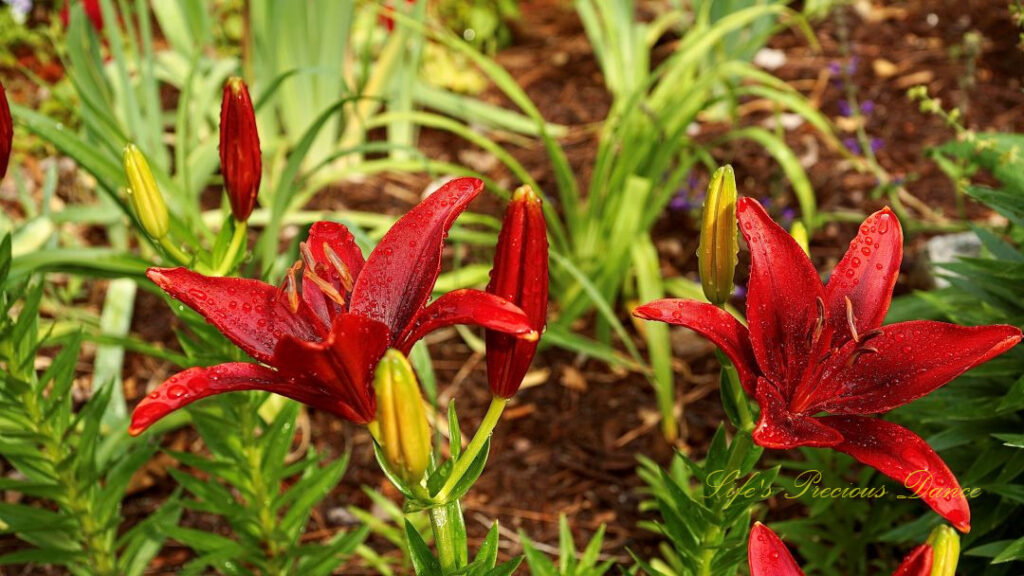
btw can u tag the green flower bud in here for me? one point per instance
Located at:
(945, 545)
(144, 194)
(401, 427)
(799, 233)
(716, 255)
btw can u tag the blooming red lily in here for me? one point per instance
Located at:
(320, 345)
(812, 348)
(768, 556)
(520, 275)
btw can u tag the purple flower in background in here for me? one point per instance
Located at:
(851, 144)
(876, 145)
(844, 109)
(788, 216)
(680, 202)
(765, 201)
(867, 107)
(740, 291)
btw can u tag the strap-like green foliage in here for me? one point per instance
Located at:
(72, 472)
(705, 508)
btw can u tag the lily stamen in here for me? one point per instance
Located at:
(851, 320)
(346, 276)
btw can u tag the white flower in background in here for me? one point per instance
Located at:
(19, 9)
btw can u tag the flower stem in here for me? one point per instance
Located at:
(237, 241)
(483, 433)
(174, 252)
(449, 528)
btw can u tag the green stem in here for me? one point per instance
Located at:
(174, 252)
(237, 241)
(483, 433)
(449, 527)
(711, 539)
(261, 499)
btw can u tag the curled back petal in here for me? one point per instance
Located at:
(768, 556)
(781, 429)
(341, 366)
(910, 360)
(468, 307)
(400, 273)
(713, 323)
(782, 297)
(866, 276)
(195, 384)
(917, 563)
(253, 315)
(905, 457)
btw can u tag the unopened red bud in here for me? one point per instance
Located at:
(240, 160)
(520, 275)
(6, 132)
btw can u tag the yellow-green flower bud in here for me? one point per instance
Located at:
(401, 427)
(716, 255)
(799, 233)
(945, 545)
(144, 194)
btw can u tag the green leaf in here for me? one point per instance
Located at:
(423, 560)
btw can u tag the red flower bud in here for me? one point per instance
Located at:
(520, 275)
(240, 160)
(6, 132)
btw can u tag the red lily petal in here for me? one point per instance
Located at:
(768, 556)
(712, 323)
(468, 307)
(779, 428)
(194, 384)
(520, 275)
(905, 457)
(342, 366)
(250, 313)
(339, 273)
(6, 132)
(917, 563)
(782, 309)
(912, 359)
(400, 273)
(866, 275)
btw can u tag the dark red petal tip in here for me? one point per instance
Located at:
(905, 457)
(768, 556)
(866, 276)
(253, 315)
(400, 273)
(713, 323)
(917, 563)
(783, 294)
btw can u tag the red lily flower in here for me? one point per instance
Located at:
(6, 132)
(768, 556)
(321, 344)
(520, 275)
(812, 348)
(240, 160)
